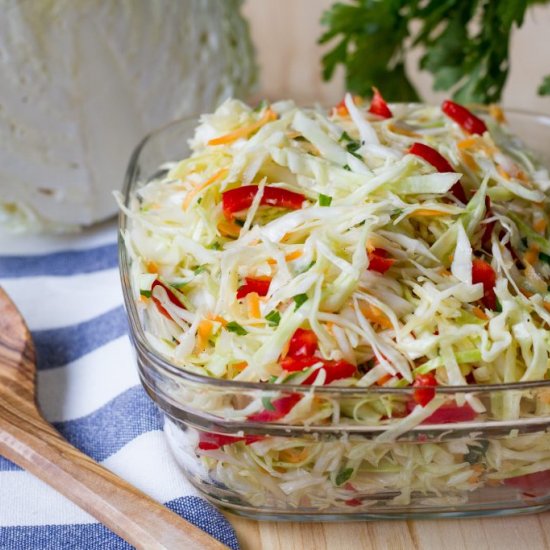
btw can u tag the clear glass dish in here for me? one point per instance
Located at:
(456, 463)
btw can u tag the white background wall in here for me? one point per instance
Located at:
(285, 33)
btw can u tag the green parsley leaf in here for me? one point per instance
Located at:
(299, 300)
(273, 318)
(233, 326)
(343, 476)
(544, 88)
(346, 167)
(466, 45)
(146, 293)
(324, 200)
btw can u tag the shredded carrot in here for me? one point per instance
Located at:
(403, 131)
(383, 379)
(341, 110)
(540, 225)
(218, 319)
(193, 193)
(532, 254)
(203, 333)
(425, 212)
(375, 315)
(244, 131)
(526, 293)
(293, 456)
(497, 113)
(285, 237)
(293, 255)
(503, 172)
(329, 325)
(152, 267)
(467, 143)
(479, 313)
(240, 366)
(253, 305)
(469, 161)
(229, 228)
(546, 305)
(271, 261)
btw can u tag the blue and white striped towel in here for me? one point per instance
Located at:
(68, 290)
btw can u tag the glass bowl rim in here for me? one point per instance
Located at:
(139, 338)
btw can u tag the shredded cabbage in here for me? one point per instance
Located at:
(352, 238)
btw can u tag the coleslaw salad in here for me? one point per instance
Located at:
(386, 246)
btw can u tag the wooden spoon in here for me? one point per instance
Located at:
(29, 441)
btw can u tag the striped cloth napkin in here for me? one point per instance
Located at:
(68, 290)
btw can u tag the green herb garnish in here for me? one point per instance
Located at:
(466, 45)
(343, 476)
(273, 318)
(324, 200)
(299, 300)
(233, 326)
(146, 293)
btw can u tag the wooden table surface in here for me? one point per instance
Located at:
(285, 33)
(530, 532)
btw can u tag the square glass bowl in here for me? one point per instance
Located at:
(456, 463)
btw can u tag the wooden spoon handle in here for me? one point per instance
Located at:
(29, 441)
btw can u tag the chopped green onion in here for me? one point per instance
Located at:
(146, 293)
(299, 300)
(343, 476)
(273, 318)
(324, 200)
(233, 326)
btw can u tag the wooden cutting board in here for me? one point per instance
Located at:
(530, 532)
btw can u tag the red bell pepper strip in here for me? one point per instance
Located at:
(378, 105)
(463, 117)
(447, 413)
(240, 198)
(537, 483)
(440, 163)
(482, 272)
(451, 413)
(260, 286)
(379, 260)
(425, 392)
(281, 407)
(171, 296)
(302, 343)
(212, 441)
(429, 154)
(335, 370)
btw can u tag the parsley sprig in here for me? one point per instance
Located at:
(466, 44)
